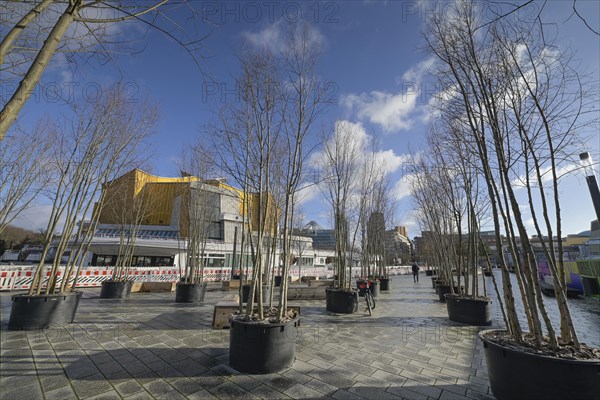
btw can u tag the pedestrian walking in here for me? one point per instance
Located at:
(415, 270)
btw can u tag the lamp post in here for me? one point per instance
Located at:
(590, 177)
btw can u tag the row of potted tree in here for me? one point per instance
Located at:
(510, 108)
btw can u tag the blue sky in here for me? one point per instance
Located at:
(373, 62)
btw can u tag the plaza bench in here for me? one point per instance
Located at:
(153, 287)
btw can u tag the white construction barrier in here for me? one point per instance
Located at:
(21, 277)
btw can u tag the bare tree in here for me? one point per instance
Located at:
(129, 209)
(261, 143)
(91, 150)
(246, 136)
(304, 97)
(198, 205)
(23, 170)
(521, 103)
(340, 164)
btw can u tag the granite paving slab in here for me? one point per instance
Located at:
(148, 346)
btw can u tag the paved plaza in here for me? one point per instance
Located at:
(148, 346)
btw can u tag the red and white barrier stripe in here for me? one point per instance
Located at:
(19, 278)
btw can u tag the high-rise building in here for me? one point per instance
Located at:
(397, 246)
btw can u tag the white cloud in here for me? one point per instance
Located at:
(307, 194)
(275, 37)
(355, 132)
(403, 187)
(415, 74)
(408, 219)
(390, 161)
(392, 111)
(270, 38)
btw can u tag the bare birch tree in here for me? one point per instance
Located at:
(340, 165)
(23, 170)
(245, 137)
(262, 145)
(304, 97)
(91, 150)
(129, 211)
(521, 102)
(198, 204)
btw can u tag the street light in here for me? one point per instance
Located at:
(590, 177)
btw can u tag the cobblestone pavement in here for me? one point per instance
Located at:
(150, 347)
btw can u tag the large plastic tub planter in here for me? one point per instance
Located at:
(385, 284)
(115, 289)
(341, 301)
(466, 310)
(516, 374)
(257, 348)
(42, 311)
(190, 292)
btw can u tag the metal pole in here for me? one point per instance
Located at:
(595, 193)
(590, 177)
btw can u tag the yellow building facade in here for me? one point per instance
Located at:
(154, 200)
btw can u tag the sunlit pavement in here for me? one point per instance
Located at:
(150, 347)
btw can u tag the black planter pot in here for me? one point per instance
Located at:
(469, 311)
(436, 282)
(374, 288)
(278, 279)
(341, 301)
(42, 311)
(262, 348)
(429, 272)
(385, 284)
(190, 292)
(515, 374)
(442, 290)
(115, 289)
(246, 293)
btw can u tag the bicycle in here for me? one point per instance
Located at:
(369, 299)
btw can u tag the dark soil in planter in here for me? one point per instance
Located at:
(42, 311)
(523, 372)
(341, 301)
(262, 348)
(115, 289)
(469, 310)
(385, 284)
(190, 292)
